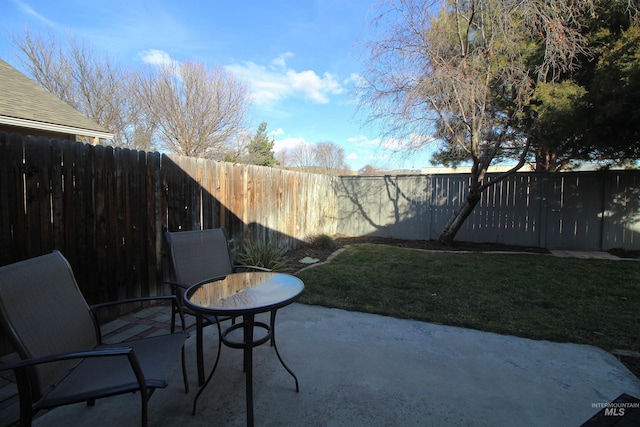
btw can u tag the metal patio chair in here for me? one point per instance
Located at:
(57, 337)
(196, 256)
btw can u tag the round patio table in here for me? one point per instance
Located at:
(245, 295)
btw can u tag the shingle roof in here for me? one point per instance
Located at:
(24, 103)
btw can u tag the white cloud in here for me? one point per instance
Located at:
(265, 85)
(414, 142)
(312, 86)
(277, 132)
(274, 83)
(281, 61)
(354, 79)
(390, 153)
(362, 140)
(394, 145)
(288, 143)
(157, 57)
(32, 12)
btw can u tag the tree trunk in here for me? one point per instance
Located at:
(452, 228)
(477, 185)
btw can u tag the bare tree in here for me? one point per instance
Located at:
(284, 157)
(236, 150)
(460, 70)
(368, 170)
(301, 156)
(329, 157)
(187, 109)
(196, 110)
(322, 157)
(93, 85)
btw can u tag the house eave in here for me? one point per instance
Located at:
(52, 127)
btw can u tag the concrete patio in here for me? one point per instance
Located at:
(360, 369)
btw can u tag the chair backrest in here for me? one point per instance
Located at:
(199, 255)
(43, 312)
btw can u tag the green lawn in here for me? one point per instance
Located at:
(535, 296)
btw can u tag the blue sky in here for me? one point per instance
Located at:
(298, 57)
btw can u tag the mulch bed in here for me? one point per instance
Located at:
(625, 253)
(322, 253)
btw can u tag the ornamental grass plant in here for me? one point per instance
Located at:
(262, 254)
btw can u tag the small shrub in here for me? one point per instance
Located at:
(261, 254)
(322, 241)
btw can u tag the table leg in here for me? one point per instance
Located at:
(215, 365)
(248, 321)
(200, 349)
(275, 346)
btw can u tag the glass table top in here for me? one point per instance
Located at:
(245, 291)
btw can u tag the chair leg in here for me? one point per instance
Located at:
(26, 421)
(273, 326)
(144, 422)
(200, 350)
(173, 317)
(184, 373)
(24, 395)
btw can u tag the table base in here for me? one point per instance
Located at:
(248, 324)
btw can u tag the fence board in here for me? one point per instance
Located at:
(153, 221)
(621, 213)
(87, 266)
(34, 198)
(12, 205)
(57, 196)
(5, 193)
(71, 199)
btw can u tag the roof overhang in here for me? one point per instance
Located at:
(52, 127)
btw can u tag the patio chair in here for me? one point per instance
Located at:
(57, 337)
(196, 256)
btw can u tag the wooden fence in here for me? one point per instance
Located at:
(106, 209)
(576, 210)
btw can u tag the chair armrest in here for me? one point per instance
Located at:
(24, 386)
(25, 363)
(95, 307)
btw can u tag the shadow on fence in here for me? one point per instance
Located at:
(597, 210)
(106, 208)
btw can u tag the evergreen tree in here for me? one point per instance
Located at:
(261, 148)
(591, 114)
